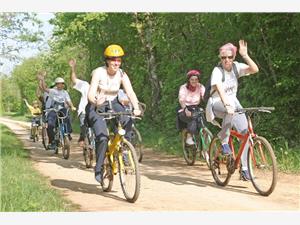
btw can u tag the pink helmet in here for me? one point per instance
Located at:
(191, 73)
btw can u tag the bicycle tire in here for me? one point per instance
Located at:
(108, 176)
(219, 163)
(137, 143)
(88, 157)
(206, 138)
(189, 151)
(129, 168)
(66, 147)
(34, 133)
(44, 137)
(262, 166)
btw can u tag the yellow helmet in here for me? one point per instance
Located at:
(113, 51)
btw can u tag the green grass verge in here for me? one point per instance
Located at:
(22, 188)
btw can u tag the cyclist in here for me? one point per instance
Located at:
(223, 101)
(104, 87)
(83, 87)
(190, 95)
(57, 92)
(35, 113)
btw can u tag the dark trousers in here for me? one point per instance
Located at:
(52, 123)
(100, 128)
(83, 126)
(191, 123)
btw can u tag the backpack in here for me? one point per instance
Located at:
(207, 93)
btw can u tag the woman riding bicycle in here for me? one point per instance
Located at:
(190, 95)
(223, 101)
(102, 95)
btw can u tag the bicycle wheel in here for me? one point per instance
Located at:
(108, 176)
(129, 173)
(66, 147)
(219, 163)
(88, 156)
(34, 133)
(206, 137)
(45, 139)
(137, 143)
(189, 151)
(262, 166)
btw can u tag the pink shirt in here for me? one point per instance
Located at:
(189, 97)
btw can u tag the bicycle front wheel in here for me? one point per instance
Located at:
(189, 151)
(262, 166)
(137, 143)
(108, 176)
(45, 137)
(206, 137)
(66, 147)
(219, 163)
(129, 171)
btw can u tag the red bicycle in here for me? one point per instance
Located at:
(261, 160)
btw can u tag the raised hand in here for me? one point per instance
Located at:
(72, 63)
(243, 48)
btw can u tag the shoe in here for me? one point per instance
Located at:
(189, 141)
(51, 146)
(226, 149)
(98, 177)
(245, 175)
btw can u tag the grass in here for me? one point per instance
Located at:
(22, 188)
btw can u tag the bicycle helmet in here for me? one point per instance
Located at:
(113, 51)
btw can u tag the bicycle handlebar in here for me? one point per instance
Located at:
(255, 109)
(112, 115)
(56, 110)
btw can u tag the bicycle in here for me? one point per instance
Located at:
(89, 147)
(201, 142)
(136, 138)
(261, 159)
(61, 136)
(121, 158)
(35, 131)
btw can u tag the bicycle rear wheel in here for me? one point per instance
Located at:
(206, 137)
(108, 176)
(137, 143)
(189, 151)
(262, 166)
(129, 173)
(66, 147)
(219, 163)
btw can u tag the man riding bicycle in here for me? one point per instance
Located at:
(35, 113)
(60, 98)
(190, 95)
(102, 96)
(223, 100)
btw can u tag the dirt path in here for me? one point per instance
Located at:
(167, 183)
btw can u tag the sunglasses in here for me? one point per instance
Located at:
(229, 57)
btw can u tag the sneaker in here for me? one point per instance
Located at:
(98, 177)
(245, 175)
(226, 149)
(51, 146)
(189, 141)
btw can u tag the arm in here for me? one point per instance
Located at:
(228, 107)
(92, 93)
(26, 103)
(72, 64)
(41, 79)
(244, 53)
(131, 94)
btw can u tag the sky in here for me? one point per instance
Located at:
(47, 28)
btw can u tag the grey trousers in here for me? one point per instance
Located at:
(237, 120)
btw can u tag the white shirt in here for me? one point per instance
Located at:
(109, 85)
(83, 87)
(61, 95)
